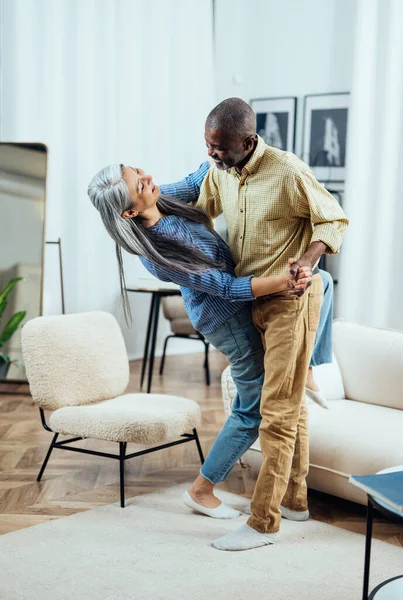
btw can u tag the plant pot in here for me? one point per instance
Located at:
(4, 366)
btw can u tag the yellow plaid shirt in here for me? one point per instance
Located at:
(274, 209)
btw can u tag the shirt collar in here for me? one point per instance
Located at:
(253, 163)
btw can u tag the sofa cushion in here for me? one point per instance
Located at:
(330, 380)
(371, 361)
(354, 438)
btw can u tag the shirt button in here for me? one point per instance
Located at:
(241, 237)
(241, 209)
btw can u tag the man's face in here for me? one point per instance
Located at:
(226, 151)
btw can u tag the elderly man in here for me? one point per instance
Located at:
(275, 210)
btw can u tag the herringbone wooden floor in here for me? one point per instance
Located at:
(73, 483)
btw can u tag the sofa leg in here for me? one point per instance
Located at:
(122, 448)
(45, 462)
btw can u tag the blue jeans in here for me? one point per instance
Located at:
(241, 344)
(322, 352)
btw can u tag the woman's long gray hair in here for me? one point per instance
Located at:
(110, 195)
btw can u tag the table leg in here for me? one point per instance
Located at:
(368, 538)
(153, 341)
(147, 342)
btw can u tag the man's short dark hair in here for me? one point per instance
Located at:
(233, 116)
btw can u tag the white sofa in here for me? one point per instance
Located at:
(362, 431)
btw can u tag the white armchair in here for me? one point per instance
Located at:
(77, 367)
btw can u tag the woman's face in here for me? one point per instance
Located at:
(143, 192)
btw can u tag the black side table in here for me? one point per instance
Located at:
(387, 589)
(152, 327)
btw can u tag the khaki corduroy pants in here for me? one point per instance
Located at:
(288, 327)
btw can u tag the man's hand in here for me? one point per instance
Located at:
(300, 276)
(308, 259)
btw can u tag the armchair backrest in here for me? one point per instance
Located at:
(74, 359)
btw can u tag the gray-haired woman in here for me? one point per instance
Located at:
(177, 243)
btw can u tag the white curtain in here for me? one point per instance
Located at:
(371, 283)
(103, 81)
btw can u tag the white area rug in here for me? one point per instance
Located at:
(157, 549)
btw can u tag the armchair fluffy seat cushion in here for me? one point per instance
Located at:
(140, 418)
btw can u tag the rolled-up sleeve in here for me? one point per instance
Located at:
(313, 201)
(212, 281)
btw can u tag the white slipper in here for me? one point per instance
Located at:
(221, 512)
(317, 397)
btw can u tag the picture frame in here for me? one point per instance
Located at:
(324, 141)
(276, 120)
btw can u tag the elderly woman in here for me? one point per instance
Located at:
(177, 243)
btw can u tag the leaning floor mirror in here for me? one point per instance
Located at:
(22, 218)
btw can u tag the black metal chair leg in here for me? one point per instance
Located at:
(163, 354)
(206, 364)
(153, 342)
(368, 538)
(147, 342)
(45, 462)
(122, 448)
(199, 448)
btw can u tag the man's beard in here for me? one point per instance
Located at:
(224, 166)
(221, 165)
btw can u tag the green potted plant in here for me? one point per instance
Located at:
(11, 326)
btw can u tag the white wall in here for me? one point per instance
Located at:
(374, 183)
(283, 48)
(82, 78)
(102, 81)
(270, 48)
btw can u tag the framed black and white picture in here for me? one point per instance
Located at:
(275, 120)
(325, 135)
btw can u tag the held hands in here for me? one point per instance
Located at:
(299, 277)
